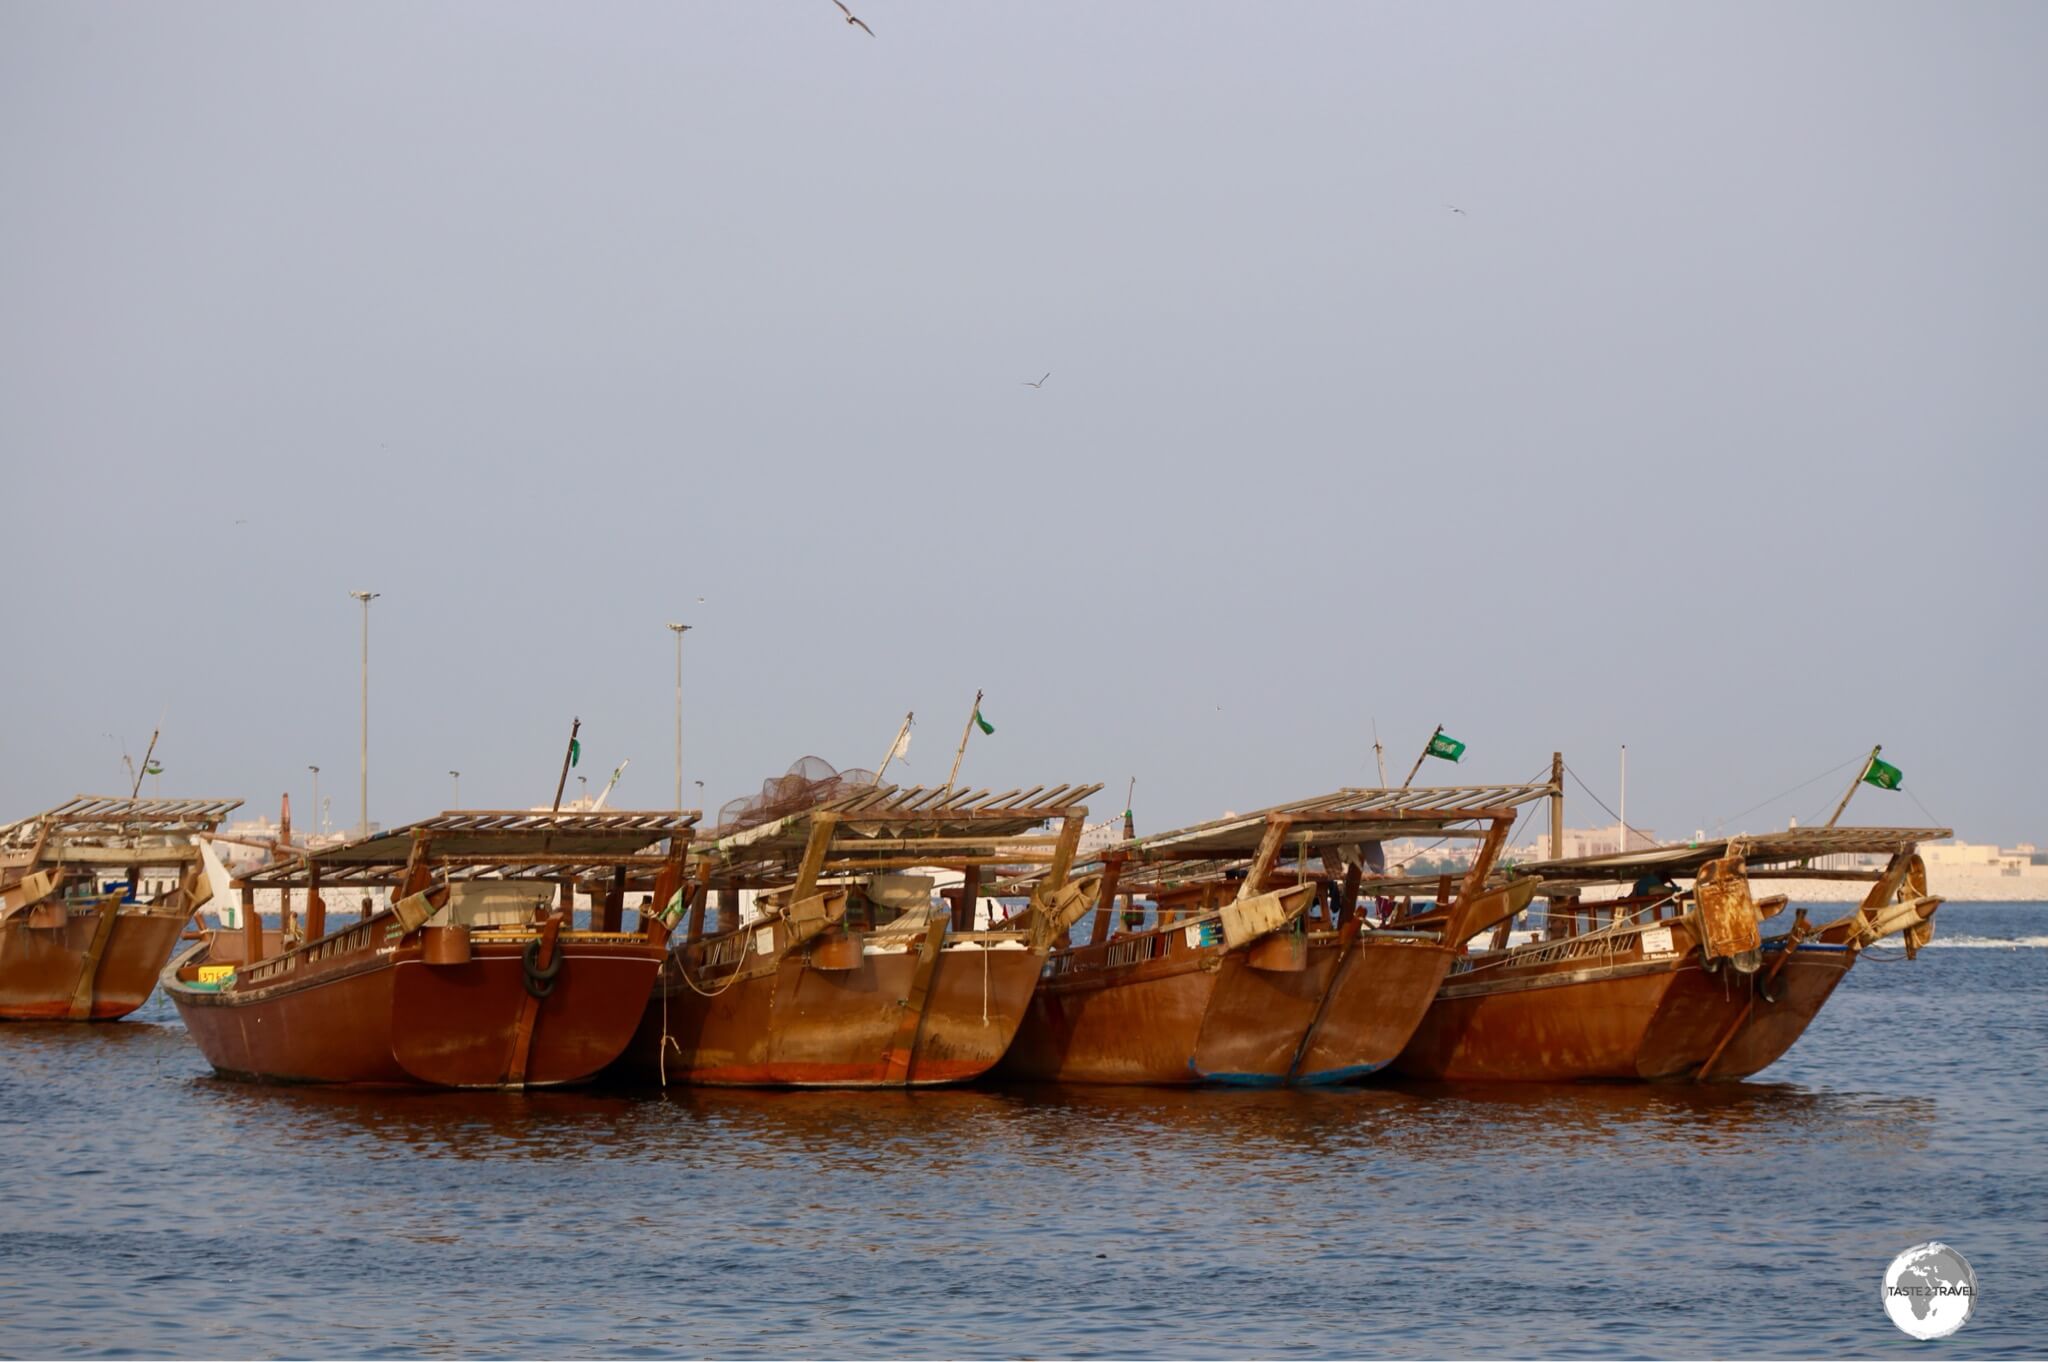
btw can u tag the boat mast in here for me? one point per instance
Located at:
(1847, 794)
(1623, 815)
(1379, 753)
(1556, 805)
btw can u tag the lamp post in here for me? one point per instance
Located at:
(680, 630)
(316, 799)
(363, 825)
(456, 776)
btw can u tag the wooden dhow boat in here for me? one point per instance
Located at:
(853, 974)
(1252, 970)
(476, 976)
(93, 896)
(1670, 981)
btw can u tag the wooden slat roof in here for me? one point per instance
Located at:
(916, 811)
(1765, 851)
(899, 823)
(118, 817)
(1348, 815)
(489, 844)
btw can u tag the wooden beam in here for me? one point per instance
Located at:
(823, 826)
(1270, 846)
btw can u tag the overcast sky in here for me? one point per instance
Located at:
(1569, 375)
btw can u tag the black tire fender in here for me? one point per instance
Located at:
(540, 982)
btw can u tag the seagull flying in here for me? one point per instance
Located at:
(853, 18)
(1040, 383)
(1459, 211)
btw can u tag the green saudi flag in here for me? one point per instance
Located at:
(575, 751)
(986, 726)
(1445, 746)
(1884, 775)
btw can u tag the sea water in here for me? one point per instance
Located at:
(149, 1208)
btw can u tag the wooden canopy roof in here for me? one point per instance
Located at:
(1223, 847)
(1345, 816)
(887, 826)
(1766, 853)
(106, 820)
(490, 844)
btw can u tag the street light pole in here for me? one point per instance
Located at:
(680, 630)
(363, 826)
(456, 776)
(316, 799)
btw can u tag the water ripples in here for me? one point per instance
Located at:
(149, 1208)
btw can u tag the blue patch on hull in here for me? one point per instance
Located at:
(1322, 1078)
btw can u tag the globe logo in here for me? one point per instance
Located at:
(1929, 1290)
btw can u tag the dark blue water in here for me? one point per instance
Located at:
(148, 1208)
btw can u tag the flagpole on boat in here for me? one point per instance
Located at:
(568, 756)
(1854, 781)
(965, 734)
(1424, 757)
(895, 747)
(143, 769)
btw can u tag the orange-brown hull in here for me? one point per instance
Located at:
(1381, 992)
(41, 968)
(391, 1018)
(1128, 1023)
(1782, 1008)
(1256, 1020)
(1556, 1027)
(801, 1026)
(1654, 1019)
(1162, 1009)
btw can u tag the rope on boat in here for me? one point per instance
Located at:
(1720, 823)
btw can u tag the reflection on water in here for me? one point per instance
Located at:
(150, 1207)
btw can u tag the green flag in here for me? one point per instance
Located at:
(155, 768)
(1884, 775)
(986, 726)
(575, 751)
(1445, 746)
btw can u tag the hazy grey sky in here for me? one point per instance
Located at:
(1713, 425)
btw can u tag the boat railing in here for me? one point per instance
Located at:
(1614, 939)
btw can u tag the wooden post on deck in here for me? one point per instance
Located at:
(316, 907)
(615, 903)
(252, 928)
(699, 892)
(970, 893)
(1105, 900)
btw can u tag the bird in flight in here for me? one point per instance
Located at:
(853, 18)
(1459, 211)
(1040, 383)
